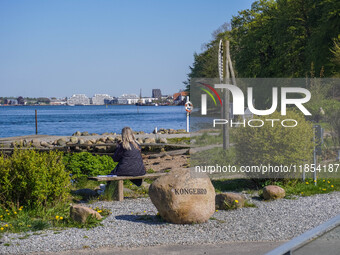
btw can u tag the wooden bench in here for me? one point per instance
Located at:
(120, 181)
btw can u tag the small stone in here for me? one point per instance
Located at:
(45, 144)
(273, 192)
(81, 213)
(61, 142)
(150, 140)
(85, 133)
(172, 131)
(227, 201)
(110, 139)
(74, 139)
(35, 143)
(78, 133)
(163, 140)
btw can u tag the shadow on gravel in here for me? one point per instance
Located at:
(147, 219)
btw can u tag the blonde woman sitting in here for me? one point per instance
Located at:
(129, 157)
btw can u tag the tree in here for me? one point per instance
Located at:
(44, 100)
(280, 38)
(21, 100)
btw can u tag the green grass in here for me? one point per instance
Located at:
(137, 191)
(308, 188)
(150, 171)
(249, 204)
(292, 187)
(17, 220)
(178, 140)
(218, 220)
(236, 185)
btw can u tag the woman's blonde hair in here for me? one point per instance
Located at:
(127, 138)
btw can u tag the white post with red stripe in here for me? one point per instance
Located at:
(188, 108)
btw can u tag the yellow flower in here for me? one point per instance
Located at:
(301, 193)
(324, 189)
(1, 228)
(15, 212)
(57, 217)
(145, 211)
(8, 214)
(20, 209)
(216, 210)
(314, 180)
(332, 186)
(29, 226)
(6, 210)
(307, 182)
(324, 180)
(236, 201)
(328, 181)
(6, 226)
(100, 211)
(61, 217)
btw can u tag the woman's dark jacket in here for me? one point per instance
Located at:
(130, 162)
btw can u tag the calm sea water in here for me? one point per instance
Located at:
(65, 120)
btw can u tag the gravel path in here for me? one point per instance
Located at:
(133, 224)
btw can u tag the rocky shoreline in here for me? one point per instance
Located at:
(84, 139)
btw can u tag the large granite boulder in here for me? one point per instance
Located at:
(183, 198)
(81, 213)
(227, 201)
(273, 192)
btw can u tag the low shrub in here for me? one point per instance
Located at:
(33, 179)
(275, 145)
(85, 164)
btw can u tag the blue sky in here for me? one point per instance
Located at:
(60, 48)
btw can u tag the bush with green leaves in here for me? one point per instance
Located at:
(275, 146)
(85, 164)
(31, 178)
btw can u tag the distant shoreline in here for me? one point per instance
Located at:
(85, 105)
